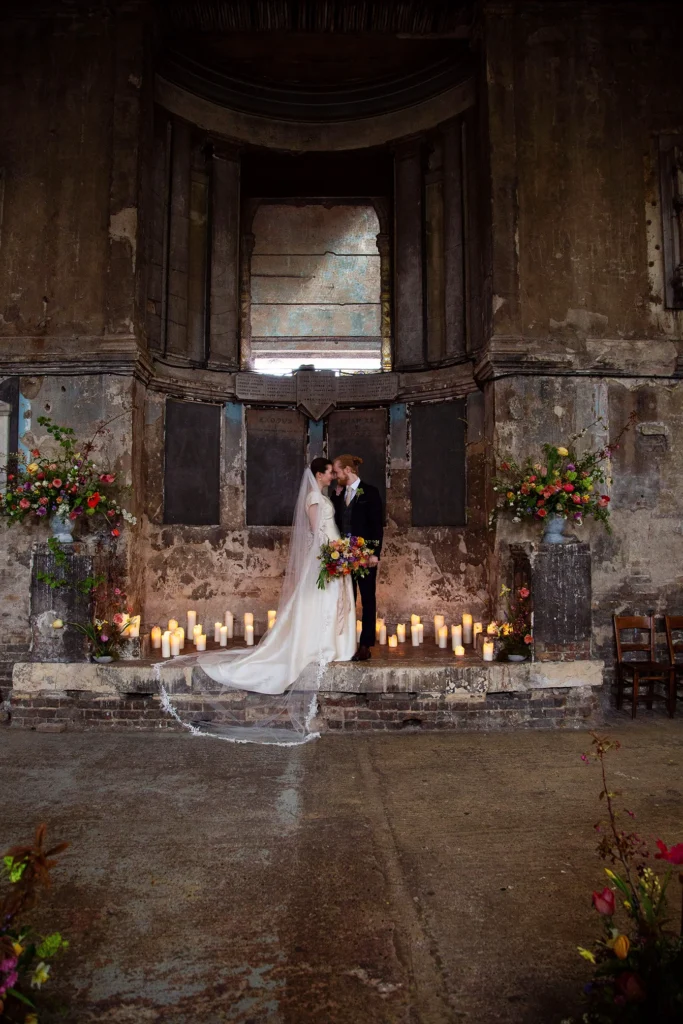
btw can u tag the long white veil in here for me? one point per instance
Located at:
(278, 679)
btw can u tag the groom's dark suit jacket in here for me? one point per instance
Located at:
(367, 517)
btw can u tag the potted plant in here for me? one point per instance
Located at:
(65, 484)
(514, 632)
(104, 639)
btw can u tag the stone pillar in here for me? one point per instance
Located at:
(408, 276)
(454, 241)
(225, 245)
(179, 244)
(559, 577)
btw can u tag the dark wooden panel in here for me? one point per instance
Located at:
(454, 240)
(438, 485)
(192, 467)
(276, 441)
(408, 256)
(361, 432)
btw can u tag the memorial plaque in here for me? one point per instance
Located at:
(259, 387)
(276, 449)
(361, 432)
(438, 467)
(192, 464)
(363, 388)
(316, 392)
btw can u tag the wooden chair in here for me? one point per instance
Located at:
(674, 624)
(641, 669)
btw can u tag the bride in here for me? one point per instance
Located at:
(313, 627)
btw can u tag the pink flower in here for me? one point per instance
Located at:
(118, 618)
(674, 855)
(107, 478)
(24, 503)
(568, 488)
(56, 482)
(524, 592)
(604, 902)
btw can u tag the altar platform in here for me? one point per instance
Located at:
(399, 688)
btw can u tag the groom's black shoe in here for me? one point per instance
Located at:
(362, 654)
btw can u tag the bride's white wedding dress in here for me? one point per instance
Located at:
(313, 628)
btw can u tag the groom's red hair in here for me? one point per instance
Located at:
(349, 461)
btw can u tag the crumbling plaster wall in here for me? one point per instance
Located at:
(83, 403)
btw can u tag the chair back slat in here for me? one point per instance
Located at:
(638, 623)
(674, 624)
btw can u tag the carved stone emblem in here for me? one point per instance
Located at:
(316, 392)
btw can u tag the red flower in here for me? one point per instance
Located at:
(568, 488)
(40, 476)
(56, 483)
(43, 500)
(541, 501)
(107, 478)
(542, 512)
(603, 501)
(115, 533)
(94, 500)
(524, 592)
(505, 465)
(10, 476)
(604, 902)
(528, 639)
(673, 855)
(576, 498)
(631, 986)
(35, 453)
(532, 479)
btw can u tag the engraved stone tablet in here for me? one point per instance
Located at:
(276, 443)
(259, 387)
(316, 392)
(367, 387)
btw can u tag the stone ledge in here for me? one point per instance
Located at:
(470, 680)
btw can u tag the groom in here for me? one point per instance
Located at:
(358, 513)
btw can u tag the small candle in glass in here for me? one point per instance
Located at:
(467, 628)
(249, 635)
(201, 642)
(393, 640)
(401, 632)
(487, 650)
(443, 637)
(223, 639)
(155, 637)
(476, 631)
(230, 624)
(459, 651)
(166, 645)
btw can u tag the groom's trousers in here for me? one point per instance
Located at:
(367, 586)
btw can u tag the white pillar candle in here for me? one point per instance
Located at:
(487, 650)
(230, 624)
(191, 623)
(421, 632)
(155, 637)
(217, 632)
(382, 634)
(196, 633)
(467, 628)
(476, 630)
(438, 623)
(249, 635)
(166, 645)
(393, 640)
(459, 651)
(223, 638)
(175, 644)
(180, 633)
(359, 630)
(172, 625)
(272, 619)
(378, 625)
(443, 637)
(401, 632)
(414, 620)
(248, 621)
(456, 636)
(201, 642)
(415, 635)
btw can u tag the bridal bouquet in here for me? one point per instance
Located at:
(350, 556)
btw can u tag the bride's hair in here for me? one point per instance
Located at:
(351, 462)
(320, 465)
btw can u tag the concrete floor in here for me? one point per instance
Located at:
(416, 879)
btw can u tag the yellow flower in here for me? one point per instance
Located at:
(507, 629)
(40, 975)
(58, 624)
(586, 954)
(17, 948)
(621, 946)
(32, 467)
(562, 452)
(335, 554)
(361, 540)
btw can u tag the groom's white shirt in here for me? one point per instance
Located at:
(351, 489)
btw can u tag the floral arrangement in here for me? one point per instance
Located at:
(348, 556)
(68, 484)
(639, 959)
(25, 956)
(515, 630)
(104, 637)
